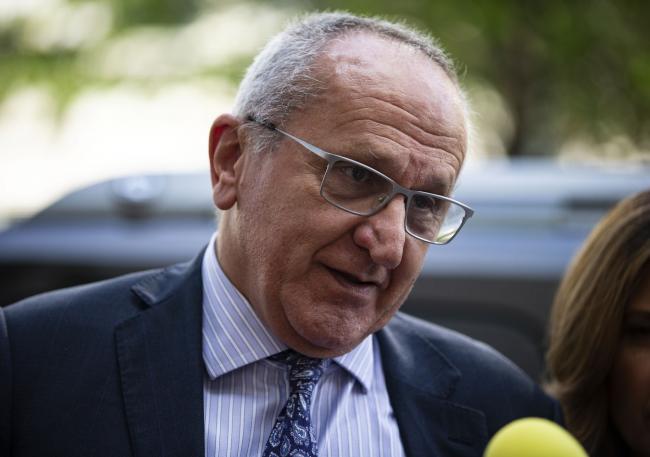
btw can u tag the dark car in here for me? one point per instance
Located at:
(495, 281)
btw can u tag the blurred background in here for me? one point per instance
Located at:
(105, 107)
(91, 89)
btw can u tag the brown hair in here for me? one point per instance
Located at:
(587, 317)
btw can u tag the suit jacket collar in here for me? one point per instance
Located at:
(421, 382)
(160, 363)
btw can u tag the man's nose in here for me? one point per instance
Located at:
(383, 234)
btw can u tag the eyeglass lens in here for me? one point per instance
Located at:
(354, 187)
(362, 190)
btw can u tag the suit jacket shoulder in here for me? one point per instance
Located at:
(87, 307)
(452, 391)
(100, 369)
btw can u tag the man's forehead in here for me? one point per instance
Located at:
(367, 55)
(364, 70)
(365, 46)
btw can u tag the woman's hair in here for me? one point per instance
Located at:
(587, 317)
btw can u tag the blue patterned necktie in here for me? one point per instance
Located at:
(292, 434)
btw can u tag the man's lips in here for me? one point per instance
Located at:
(358, 280)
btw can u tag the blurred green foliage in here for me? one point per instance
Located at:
(53, 70)
(564, 69)
(137, 12)
(65, 71)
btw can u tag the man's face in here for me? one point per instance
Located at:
(320, 278)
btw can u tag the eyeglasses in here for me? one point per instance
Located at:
(364, 191)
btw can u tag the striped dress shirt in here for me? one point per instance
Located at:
(243, 391)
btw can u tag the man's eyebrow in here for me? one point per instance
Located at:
(438, 186)
(363, 152)
(365, 155)
(438, 182)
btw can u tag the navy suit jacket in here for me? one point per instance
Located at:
(115, 369)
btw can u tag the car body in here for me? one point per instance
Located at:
(494, 282)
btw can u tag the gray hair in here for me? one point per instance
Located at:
(280, 78)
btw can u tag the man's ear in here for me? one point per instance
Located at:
(225, 150)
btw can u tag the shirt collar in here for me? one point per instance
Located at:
(359, 362)
(234, 336)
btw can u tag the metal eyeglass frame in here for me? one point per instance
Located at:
(396, 188)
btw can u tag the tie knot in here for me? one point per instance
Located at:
(302, 369)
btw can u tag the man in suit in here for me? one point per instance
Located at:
(333, 177)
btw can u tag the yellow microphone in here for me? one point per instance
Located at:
(533, 437)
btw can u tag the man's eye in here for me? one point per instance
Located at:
(359, 174)
(422, 202)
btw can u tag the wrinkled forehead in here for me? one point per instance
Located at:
(395, 68)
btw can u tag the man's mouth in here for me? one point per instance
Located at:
(349, 280)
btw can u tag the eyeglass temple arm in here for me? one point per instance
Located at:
(267, 124)
(310, 147)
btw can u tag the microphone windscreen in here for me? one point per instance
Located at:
(533, 437)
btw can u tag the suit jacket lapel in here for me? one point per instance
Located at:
(161, 364)
(420, 381)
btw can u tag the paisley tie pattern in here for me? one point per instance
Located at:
(292, 434)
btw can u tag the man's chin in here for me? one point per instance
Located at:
(326, 343)
(328, 327)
